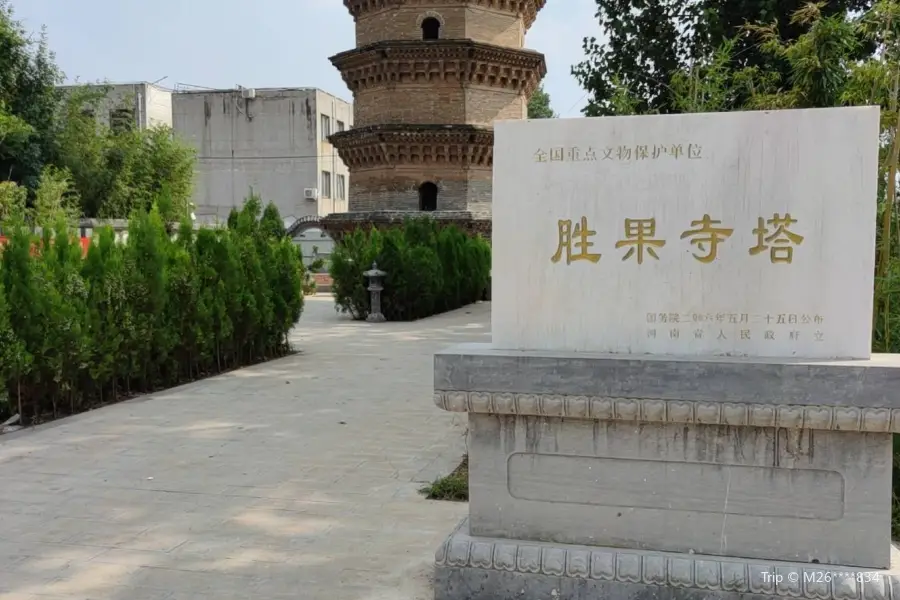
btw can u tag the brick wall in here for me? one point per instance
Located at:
(484, 105)
(478, 197)
(437, 103)
(398, 189)
(476, 23)
(503, 29)
(403, 24)
(411, 103)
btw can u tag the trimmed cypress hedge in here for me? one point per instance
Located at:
(430, 269)
(156, 311)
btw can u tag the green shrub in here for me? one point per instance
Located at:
(350, 258)
(430, 269)
(133, 317)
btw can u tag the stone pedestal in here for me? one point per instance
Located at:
(594, 475)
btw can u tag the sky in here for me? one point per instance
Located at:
(256, 43)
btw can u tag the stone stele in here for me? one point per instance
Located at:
(653, 425)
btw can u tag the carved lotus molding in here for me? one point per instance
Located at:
(686, 572)
(402, 145)
(457, 61)
(653, 410)
(528, 9)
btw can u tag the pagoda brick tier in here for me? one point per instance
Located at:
(429, 78)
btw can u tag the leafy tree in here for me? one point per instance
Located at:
(14, 361)
(54, 199)
(145, 262)
(539, 105)
(233, 218)
(107, 311)
(352, 257)
(13, 200)
(649, 41)
(28, 80)
(22, 286)
(116, 171)
(64, 345)
(14, 133)
(271, 223)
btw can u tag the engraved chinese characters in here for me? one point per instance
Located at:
(707, 237)
(638, 235)
(706, 234)
(744, 327)
(781, 239)
(618, 153)
(581, 235)
(598, 222)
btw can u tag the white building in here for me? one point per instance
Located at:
(273, 141)
(141, 103)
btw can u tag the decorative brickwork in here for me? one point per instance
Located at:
(457, 61)
(393, 145)
(429, 78)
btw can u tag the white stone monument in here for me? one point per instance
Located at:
(679, 400)
(740, 234)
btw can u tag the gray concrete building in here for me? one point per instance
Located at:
(140, 103)
(273, 141)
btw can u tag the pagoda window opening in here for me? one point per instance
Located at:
(428, 193)
(431, 29)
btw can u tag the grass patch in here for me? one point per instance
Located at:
(454, 487)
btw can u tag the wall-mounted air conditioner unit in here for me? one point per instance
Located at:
(311, 193)
(248, 93)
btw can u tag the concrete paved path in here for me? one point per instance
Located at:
(293, 479)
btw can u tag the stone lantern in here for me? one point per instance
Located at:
(376, 279)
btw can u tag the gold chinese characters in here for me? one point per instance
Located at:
(638, 234)
(618, 153)
(781, 239)
(706, 235)
(579, 237)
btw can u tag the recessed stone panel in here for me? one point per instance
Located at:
(750, 492)
(700, 487)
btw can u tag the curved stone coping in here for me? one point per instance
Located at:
(687, 571)
(871, 383)
(651, 410)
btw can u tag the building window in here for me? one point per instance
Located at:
(326, 184)
(326, 126)
(428, 193)
(340, 126)
(431, 29)
(340, 186)
(121, 119)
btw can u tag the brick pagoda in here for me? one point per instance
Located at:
(429, 78)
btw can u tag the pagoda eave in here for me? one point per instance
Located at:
(465, 61)
(379, 146)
